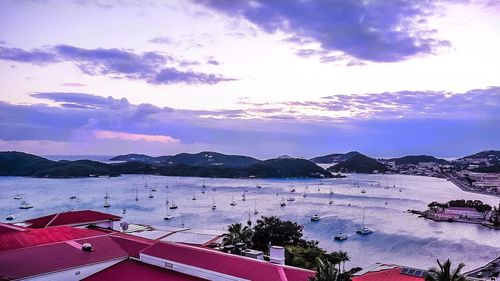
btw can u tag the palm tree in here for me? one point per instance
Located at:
(325, 271)
(444, 272)
(237, 233)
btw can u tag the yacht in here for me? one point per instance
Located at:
(363, 191)
(315, 218)
(18, 196)
(25, 205)
(255, 211)
(173, 206)
(106, 203)
(233, 203)
(290, 199)
(364, 230)
(340, 235)
(10, 217)
(151, 196)
(168, 216)
(213, 204)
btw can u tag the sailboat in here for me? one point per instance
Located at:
(168, 216)
(72, 197)
(364, 230)
(106, 203)
(330, 201)
(107, 196)
(213, 204)
(315, 218)
(25, 205)
(173, 206)
(151, 196)
(283, 203)
(233, 203)
(292, 189)
(243, 196)
(290, 199)
(258, 186)
(194, 196)
(255, 211)
(363, 191)
(18, 196)
(10, 217)
(305, 193)
(136, 195)
(340, 236)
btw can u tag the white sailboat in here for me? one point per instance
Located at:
(194, 196)
(363, 191)
(107, 195)
(340, 235)
(18, 196)
(151, 196)
(364, 230)
(173, 206)
(283, 203)
(136, 195)
(106, 203)
(213, 204)
(168, 215)
(330, 201)
(233, 203)
(243, 196)
(25, 205)
(255, 211)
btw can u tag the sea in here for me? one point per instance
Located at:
(398, 236)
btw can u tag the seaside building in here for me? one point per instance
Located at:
(389, 272)
(85, 245)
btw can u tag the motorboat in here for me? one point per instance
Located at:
(290, 199)
(106, 203)
(233, 203)
(315, 218)
(10, 217)
(340, 236)
(25, 205)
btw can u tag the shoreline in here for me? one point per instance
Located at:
(464, 187)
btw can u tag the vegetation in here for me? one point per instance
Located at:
(476, 204)
(299, 252)
(22, 164)
(335, 157)
(495, 216)
(416, 159)
(359, 164)
(445, 273)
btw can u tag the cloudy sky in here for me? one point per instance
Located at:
(261, 78)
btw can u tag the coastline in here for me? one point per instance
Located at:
(464, 187)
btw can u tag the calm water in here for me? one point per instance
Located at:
(398, 237)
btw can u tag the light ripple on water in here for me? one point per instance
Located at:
(398, 237)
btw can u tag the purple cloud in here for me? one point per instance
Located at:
(152, 67)
(381, 31)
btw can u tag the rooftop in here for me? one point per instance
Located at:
(389, 272)
(71, 218)
(129, 270)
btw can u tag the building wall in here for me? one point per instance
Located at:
(74, 274)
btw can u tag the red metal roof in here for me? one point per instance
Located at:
(48, 258)
(132, 246)
(7, 227)
(33, 237)
(130, 270)
(71, 218)
(226, 263)
(386, 275)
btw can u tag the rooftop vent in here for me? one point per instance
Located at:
(86, 247)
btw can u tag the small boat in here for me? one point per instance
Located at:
(25, 206)
(233, 203)
(330, 201)
(340, 236)
(106, 203)
(124, 211)
(168, 216)
(363, 191)
(292, 190)
(173, 206)
(72, 197)
(315, 218)
(213, 204)
(243, 196)
(283, 203)
(151, 196)
(258, 186)
(400, 190)
(18, 196)
(304, 194)
(10, 217)
(136, 195)
(290, 199)
(255, 211)
(107, 196)
(364, 230)
(194, 197)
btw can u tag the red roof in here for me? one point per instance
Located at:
(132, 246)
(233, 265)
(130, 270)
(33, 237)
(71, 218)
(57, 256)
(386, 275)
(7, 227)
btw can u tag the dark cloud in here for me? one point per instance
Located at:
(152, 67)
(381, 31)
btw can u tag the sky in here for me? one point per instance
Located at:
(260, 78)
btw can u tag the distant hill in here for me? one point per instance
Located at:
(22, 164)
(493, 156)
(416, 159)
(490, 169)
(205, 158)
(334, 158)
(359, 164)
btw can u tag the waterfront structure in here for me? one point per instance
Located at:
(78, 246)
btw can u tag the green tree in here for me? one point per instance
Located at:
(305, 256)
(445, 273)
(238, 233)
(325, 271)
(273, 231)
